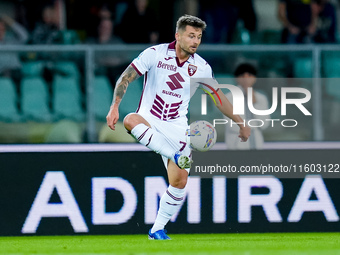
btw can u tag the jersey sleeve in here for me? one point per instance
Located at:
(145, 60)
(209, 72)
(209, 83)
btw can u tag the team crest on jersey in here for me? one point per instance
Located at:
(192, 69)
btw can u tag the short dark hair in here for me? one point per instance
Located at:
(191, 21)
(245, 68)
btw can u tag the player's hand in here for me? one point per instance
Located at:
(112, 117)
(244, 133)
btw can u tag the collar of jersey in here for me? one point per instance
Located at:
(172, 53)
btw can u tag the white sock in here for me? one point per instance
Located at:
(169, 204)
(153, 140)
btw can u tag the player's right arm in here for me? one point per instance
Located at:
(128, 76)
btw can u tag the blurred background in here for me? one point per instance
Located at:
(60, 59)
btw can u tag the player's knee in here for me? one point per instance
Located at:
(179, 183)
(129, 121)
(133, 119)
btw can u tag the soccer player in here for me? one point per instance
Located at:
(160, 121)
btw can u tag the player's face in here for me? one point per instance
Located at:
(189, 39)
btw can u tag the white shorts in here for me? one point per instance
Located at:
(174, 133)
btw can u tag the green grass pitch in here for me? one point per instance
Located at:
(246, 244)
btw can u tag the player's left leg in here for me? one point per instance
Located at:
(171, 201)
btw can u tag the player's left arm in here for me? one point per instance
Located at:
(227, 109)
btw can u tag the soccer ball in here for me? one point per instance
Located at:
(201, 135)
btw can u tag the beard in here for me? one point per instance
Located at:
(187, 50)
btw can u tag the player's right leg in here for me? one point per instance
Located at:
(142, 131)
(171, 201)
